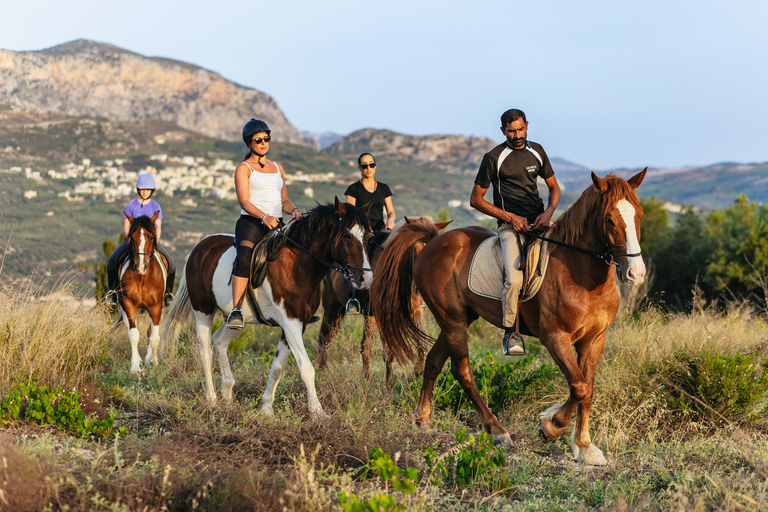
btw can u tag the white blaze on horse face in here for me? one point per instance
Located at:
(141, 265)
(358, 232)
(635, 271)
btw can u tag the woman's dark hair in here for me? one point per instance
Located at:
(248, 143)
(360, 158)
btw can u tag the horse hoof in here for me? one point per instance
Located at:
(504, 441)
(319, 416)
(267, 410)
(545, 438)
(591, 456)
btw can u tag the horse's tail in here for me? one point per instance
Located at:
(177, 316)
(392, 288)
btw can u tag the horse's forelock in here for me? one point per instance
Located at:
(141, 222)
(572, 223)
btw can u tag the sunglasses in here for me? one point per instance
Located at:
(366, 166)
(258, 140)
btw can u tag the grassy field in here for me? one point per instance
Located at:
(679, 411)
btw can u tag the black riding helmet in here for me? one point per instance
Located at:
(252, 127)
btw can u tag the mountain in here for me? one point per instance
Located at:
(87, 78)
(320, 141)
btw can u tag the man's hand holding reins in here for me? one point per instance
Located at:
(542, 222)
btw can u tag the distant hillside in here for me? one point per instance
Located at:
(86, 78)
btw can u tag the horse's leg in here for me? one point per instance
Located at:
(204, 323)
(278, 365)
(436, 359)
(328, 332)
(581, 444)
(221, 339)
(129, 319)
(462, 372)
(556, 418)
(293, 332)
(369, 331)
(154, 335)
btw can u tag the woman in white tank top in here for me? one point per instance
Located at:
(263, 198)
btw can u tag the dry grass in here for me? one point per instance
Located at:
(184, 455)
(54, 342)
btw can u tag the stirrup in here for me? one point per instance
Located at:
(235, 319)
(111, 297)
(352, 307)
(167, 299)
(513, 344)
(313, 320)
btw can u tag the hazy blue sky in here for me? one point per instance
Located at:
(604, 83)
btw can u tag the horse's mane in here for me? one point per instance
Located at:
(301, 230)
(572, 224)
(425, 220)
(142, 222)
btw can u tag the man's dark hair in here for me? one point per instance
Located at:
(360, 158)
(512, 115)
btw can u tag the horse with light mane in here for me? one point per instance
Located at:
(336, 296)
(142, 278)
(296, 260)
(574, 307)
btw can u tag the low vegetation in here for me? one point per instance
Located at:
(680, 411)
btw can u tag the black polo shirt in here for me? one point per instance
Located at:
(514, 185)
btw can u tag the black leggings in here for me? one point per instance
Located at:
(248, 232)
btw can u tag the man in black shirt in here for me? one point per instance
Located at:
(512, 168)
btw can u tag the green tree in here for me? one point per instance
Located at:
(100, 268)
(738, 241)
(654, 228)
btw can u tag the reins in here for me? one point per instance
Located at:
(345, 270)
(607, 257)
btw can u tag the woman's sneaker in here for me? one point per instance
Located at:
(235, 319)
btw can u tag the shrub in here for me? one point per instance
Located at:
(475, 458)
(381, 465)
(713, 385)
(52, 407)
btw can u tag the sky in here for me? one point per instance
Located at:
(605, 84)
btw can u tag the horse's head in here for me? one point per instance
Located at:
(143, 241)
(350, 241)
(620, 224)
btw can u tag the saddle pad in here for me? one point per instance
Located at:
(486, 274)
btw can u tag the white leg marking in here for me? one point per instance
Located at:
(154, 344)
(221, 339)
(206, 356)
(635, 271)
(278, 365)
(591, 455)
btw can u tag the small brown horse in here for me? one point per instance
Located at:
(288, 296)
(142, 285)
(336, 295)
(576, 304)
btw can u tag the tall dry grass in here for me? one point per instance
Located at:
(54, 342)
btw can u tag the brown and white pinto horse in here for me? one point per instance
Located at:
(335, 297)
(142, 285)
(576, 304)
(288, 297)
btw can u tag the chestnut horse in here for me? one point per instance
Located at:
(336, 296)
(574, 307)
(301, 254)
(142, 285)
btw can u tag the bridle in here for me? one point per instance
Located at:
(607, 257)
(149, 254)
(351, 272)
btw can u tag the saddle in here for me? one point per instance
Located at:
(266, 250)
(486, 273)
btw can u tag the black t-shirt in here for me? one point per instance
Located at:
(363, 197)
(514, 185)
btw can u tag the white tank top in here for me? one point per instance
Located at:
(265, 192)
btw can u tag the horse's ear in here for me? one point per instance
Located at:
(441, 225)
(341, 208)
(130, 219)
(637, 179)
(153, 218)
(599, 182)
(367, 208)
(408, 221)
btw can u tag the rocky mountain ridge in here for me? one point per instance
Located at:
(87, 78)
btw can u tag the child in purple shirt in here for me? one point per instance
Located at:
(145, 186)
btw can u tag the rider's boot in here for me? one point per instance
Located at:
(235, 319)
(512, 344)
(111, 297)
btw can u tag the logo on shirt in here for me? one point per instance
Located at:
(531, 168)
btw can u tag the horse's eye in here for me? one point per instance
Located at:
(347, 237)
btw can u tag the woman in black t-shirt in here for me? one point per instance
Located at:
(367, 190)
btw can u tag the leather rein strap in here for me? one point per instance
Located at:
(607, 257)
